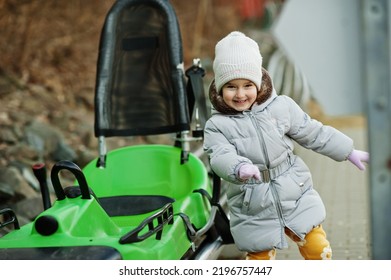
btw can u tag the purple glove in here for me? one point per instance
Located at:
(247, 171)
(357, 157)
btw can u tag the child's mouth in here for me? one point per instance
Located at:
(240, 101)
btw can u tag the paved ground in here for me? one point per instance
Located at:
(344, 189)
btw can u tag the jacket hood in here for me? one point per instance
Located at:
(264, 94)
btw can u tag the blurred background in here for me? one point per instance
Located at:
(332, 57)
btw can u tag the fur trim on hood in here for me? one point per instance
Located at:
(263, 94)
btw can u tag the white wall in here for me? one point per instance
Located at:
(323, 38)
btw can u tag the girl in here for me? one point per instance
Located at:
(249, 140)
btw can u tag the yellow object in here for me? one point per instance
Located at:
(315, 246)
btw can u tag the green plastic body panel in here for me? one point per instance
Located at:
(145, 170)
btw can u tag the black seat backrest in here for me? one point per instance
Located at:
(140, 86)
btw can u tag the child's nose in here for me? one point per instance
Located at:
(240, 92)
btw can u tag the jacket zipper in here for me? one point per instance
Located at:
(264, 148)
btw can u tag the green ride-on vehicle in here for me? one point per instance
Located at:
(138, 202)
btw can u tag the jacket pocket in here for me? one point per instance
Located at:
(248, 191)
(301, 175)
(256, 199)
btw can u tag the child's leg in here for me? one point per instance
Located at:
(264, 255)
(315, 246)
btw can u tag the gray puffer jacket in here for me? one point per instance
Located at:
(285, 196)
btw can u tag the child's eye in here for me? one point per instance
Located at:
(248, 85)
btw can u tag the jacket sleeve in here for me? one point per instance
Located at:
(313, 135)
(224, 160)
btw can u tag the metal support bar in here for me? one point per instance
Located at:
(376, 77)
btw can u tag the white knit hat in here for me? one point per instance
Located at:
(237, 57)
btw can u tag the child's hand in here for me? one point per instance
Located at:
(357, 157)
(247, 171)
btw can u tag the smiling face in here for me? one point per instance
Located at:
(239, 94)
